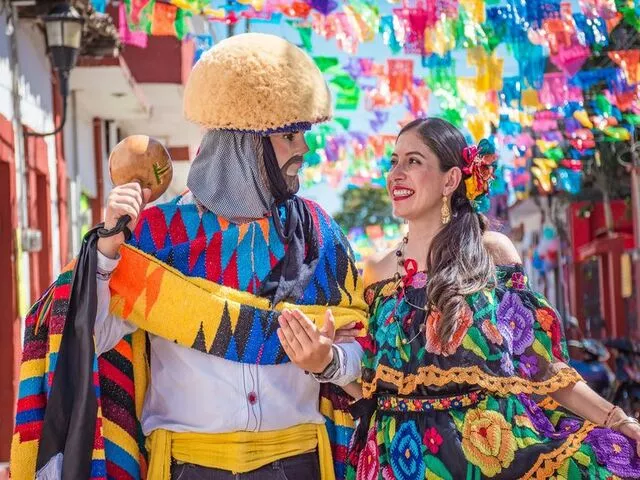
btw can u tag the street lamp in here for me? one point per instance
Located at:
(63, 26)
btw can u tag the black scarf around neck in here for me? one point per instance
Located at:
(294, 224)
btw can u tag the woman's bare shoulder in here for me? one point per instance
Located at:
(501, 248)
(379, 267)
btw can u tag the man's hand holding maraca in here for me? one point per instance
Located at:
(128, 199)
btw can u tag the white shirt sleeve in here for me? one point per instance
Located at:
(349, 361)
(109, 329)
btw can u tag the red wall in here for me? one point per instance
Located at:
(40, 267)
(9, 320)
(588, 240)
(585, 230)
(179, 154)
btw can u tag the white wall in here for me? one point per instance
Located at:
(36, 105)
(81, 165)
(35, 78)
(82, 121)
(5, 73)
(112, 142)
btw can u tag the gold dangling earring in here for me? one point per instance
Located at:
(445, 211)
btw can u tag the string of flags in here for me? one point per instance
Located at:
(576, 81)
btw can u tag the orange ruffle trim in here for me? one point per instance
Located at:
(434, 376)
(548, 463)
(548, 403)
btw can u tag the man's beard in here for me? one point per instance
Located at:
(292, 181)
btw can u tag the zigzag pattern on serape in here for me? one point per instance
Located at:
(205, 316)
(224, 321)
(241, 256)
(336, 274)
(207, 246)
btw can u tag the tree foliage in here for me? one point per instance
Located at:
(365, 206)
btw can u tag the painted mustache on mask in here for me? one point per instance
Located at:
(292, 180)
(292, 161)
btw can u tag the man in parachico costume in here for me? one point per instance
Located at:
(159, 354)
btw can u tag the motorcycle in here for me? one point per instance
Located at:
(627, 371)
(592, 365)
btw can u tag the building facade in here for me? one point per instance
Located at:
(54, 187)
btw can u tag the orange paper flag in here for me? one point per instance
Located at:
(627, 60)
(400, 72)
(164, 18)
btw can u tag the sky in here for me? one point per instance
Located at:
(328, 197)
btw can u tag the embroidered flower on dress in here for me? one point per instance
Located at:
(491, 332)
(556, 340)
(487, 441)
(541, 422)
(419, 280)
(369, 296)
(615, 451)
(529, 365)
(515, 318)
(432, 439)
(435, 344)
(406, 452)
(388, 290)
(546, 317)
(518, 281)
(506, 364)
(368, 464)
(537, 416)
(568, 425)
(367, 343)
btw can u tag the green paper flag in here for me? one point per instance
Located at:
(305, 38)
(181, 23)
(452, 116)
(348, 99)
(325, 63)
(343, 82)
(345, 122)
(305, 34)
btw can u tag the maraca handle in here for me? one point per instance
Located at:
(121, 226)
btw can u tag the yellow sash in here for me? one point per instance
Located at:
(237, 452)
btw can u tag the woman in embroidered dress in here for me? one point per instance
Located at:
(465, 368)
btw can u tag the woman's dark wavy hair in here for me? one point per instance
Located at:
(457, 261)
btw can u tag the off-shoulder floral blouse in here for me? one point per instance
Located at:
(476, 406)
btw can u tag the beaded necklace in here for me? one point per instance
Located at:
(411, 268)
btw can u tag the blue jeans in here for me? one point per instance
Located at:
(300, 467)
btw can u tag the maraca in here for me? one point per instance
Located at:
(142, 159)
(139, 158)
